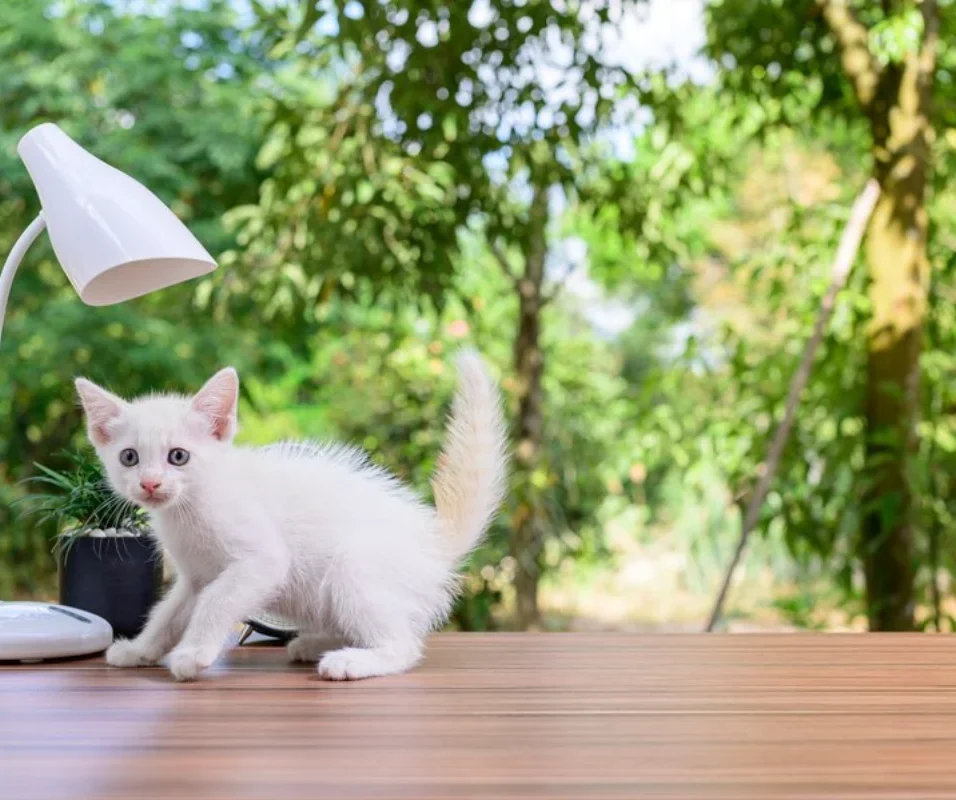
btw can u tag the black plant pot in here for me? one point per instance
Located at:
(115, 577)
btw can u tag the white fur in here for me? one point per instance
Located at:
(315, 533)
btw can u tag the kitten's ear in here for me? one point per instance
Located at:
(101, 408)
(217, 401)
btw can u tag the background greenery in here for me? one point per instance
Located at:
(641, 257)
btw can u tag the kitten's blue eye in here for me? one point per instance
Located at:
(129, 457)
(178, 457)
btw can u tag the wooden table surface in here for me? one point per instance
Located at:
(509, 715)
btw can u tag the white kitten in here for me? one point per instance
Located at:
(315, 533)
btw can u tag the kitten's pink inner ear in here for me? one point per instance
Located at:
(217, 402)
(101, 407)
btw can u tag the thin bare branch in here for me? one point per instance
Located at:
(851, 35)
(502, 260)
(845, 256)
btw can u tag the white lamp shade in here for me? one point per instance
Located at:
(113, 237)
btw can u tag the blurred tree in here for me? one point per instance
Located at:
(757, 287)
(875, 65)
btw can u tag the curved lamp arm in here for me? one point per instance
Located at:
(27, 238)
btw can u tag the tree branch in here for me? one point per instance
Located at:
(502, 260)
(846, 255)
(851, 35)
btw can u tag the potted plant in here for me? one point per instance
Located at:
(108, 565)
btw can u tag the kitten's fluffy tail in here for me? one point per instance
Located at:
(469, 483)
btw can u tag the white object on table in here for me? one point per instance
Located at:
(36, 631)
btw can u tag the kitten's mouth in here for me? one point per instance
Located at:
(155, 500)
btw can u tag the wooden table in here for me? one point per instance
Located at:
(492, 716)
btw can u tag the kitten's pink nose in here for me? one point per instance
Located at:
(150, 486)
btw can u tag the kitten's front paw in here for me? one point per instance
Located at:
(355, 663)
(126, 653)
(185, 663)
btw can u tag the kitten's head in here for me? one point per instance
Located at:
(154, 448)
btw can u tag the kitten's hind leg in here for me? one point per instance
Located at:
(354, 663)
(379, 617)
(309, 646)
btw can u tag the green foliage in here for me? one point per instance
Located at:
(780, 54)
(896, 35)
(340, 214)
(396, 126)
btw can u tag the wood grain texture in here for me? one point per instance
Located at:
(503, 716)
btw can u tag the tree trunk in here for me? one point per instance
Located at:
(529, 367)
(898, 292)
